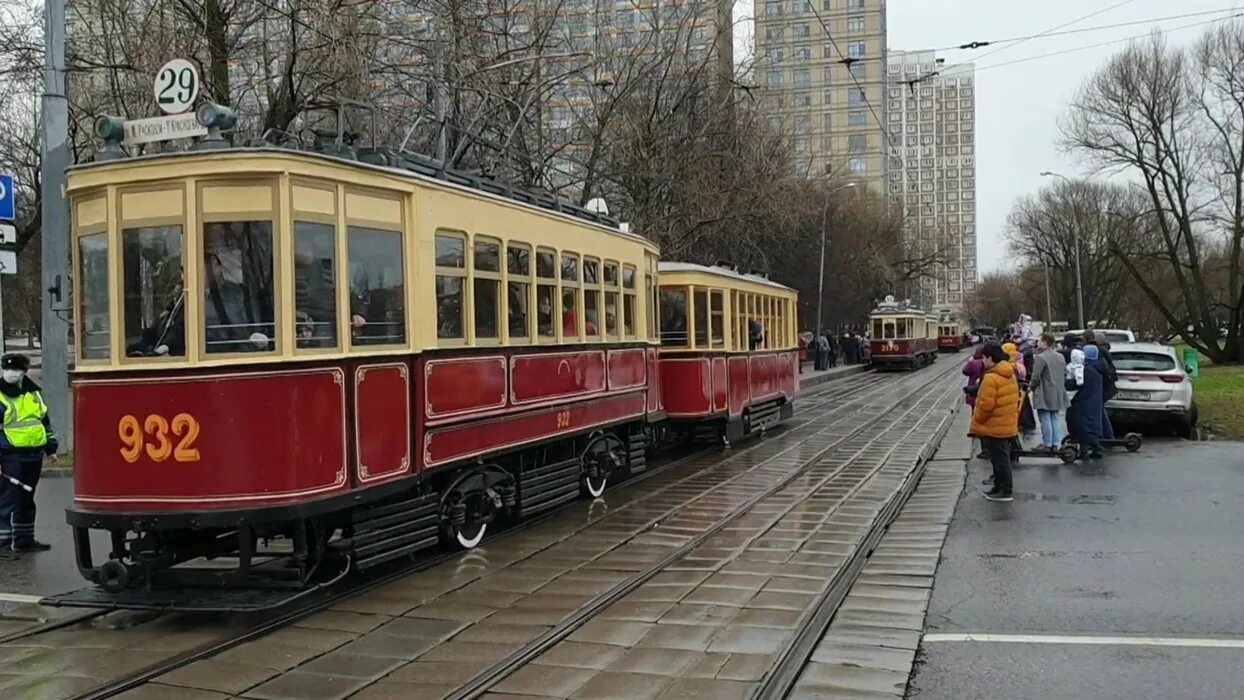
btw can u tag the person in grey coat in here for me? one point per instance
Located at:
(1048, 392)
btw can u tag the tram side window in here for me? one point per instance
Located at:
(518, 289)
(717, 319)
(570, 296)
(701, 318)
(450, 276)
(546, 293)
(486, 283)
(238, 294)
(315, 285)
(628, 301)
(611, 299)
(591, 298)
(93, 296)
(674, 317)
(377, 289)
(154, 298)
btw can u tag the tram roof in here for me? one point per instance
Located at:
(404, 165)
(724, 272)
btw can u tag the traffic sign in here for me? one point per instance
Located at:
(8, 206)
(176, 86)
(8, 234)
(174, 126)
(8, 262)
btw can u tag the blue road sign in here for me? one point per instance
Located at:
(8, 207)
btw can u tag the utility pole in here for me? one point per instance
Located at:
(55, 231)
(1049, 315)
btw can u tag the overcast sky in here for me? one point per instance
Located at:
(1018, 105)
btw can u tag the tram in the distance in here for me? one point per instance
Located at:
(903, 337)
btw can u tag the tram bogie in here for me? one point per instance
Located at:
(729, 352)
(903, 336)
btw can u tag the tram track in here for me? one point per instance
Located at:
(810, 415)
(811, 403)
(488, 680)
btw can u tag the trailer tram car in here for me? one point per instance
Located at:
(729, 351)
(356, 357)
(903, 337)
(950, 338)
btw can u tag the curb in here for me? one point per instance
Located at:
(831, 376)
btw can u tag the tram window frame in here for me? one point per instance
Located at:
(628, 301)
(699, 317)
(516, 279)
(94, 234)
(670, 307)
(652, 301)
(878, 328)
(399, 294)
(569, 277)
(484, 278)
(717, 319)
(229, 225)
(448, 273)
(177, 230)
(593, 299)
(298, 325)
(547, 283)
(613, 297)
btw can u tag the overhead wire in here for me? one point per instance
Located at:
(1064, 25)
(847, 61)
(1086, 47)
(974, 45)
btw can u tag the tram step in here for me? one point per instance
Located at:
(547, 486)
(385, 532)
(637, 453)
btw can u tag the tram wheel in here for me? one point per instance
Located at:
(469, 536)
(601, 458)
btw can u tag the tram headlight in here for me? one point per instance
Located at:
(214, 116)
(110, 130)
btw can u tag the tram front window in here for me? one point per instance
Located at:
(674, 317)
(93, 296)
(239, 297)
(889, 330)
(154, 298)
(315, 288)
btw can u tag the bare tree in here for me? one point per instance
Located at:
(1174, 120)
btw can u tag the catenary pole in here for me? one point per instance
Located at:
(55, 230)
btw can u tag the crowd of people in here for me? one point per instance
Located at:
(828, 350)
(1020, 385)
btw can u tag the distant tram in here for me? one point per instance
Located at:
(903, 336)
(729, 351)
(950, 335)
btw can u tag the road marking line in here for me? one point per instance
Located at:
(1206, 642)
(19, 598)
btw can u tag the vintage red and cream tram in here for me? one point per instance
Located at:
(729, 353)
(903, 336)
(361, 357)
(950, 337)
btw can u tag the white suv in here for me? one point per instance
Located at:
(1152, 387)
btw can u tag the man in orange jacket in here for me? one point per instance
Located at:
(995, 419)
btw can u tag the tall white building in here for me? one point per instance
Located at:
(931, 109)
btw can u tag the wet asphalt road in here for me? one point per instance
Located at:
(1139, 544)
(45, 573)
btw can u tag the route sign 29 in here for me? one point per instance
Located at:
(176, 86)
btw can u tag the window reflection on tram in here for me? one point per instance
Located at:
(315, 289)
(673, 317)
(239, 297)
(93, 296)
(377, 289)
(154, 298)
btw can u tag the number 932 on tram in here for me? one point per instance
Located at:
(291, 364)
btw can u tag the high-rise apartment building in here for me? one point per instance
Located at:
(931, 109)
(820, 65)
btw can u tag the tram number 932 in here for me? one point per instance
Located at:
(159, 438)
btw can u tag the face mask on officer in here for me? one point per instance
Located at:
(14, 376)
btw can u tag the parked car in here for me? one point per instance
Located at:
(1110, 335)
(1153, 387)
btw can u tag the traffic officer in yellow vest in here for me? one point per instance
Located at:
(25, 437)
